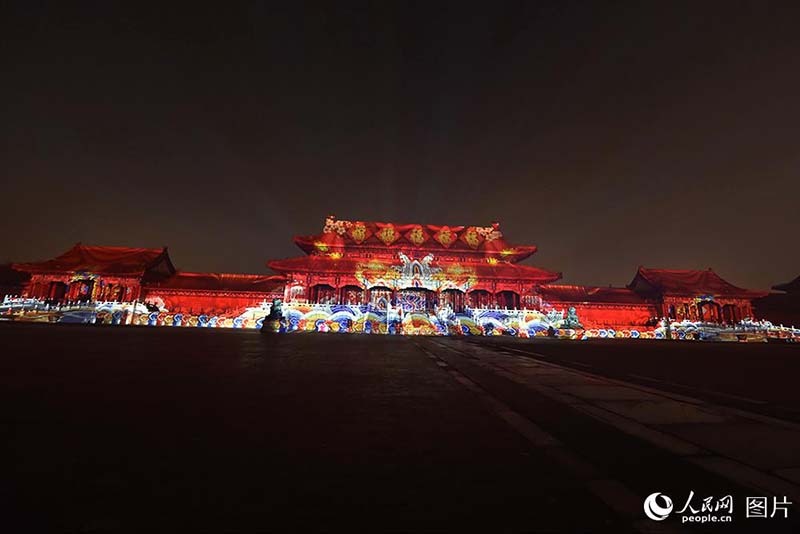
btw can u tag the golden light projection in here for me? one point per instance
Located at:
(388, 234)
(417, 236)
(358, 232)
(472, 238)
(376, 272)
(445, 237)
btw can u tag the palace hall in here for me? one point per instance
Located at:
(380, 274)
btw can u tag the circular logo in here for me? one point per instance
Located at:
(653, 507)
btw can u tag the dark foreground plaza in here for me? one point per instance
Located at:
(136, 429)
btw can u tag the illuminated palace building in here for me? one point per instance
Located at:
(374, 277)
(424, 268)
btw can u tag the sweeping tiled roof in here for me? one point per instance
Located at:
(488, 241)
(688, 282)
(102, 260)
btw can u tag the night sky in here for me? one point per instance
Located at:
(609, 135)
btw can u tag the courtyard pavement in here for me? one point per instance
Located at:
(158, 429)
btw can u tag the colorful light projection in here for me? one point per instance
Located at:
(379, 277)
(412, 319)
(413, 273)
(391, 320)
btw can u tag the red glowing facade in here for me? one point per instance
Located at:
(355, 262)
(92, 273)
(416, 267)
(121, 274)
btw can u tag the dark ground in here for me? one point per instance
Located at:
(217, 430)
(754, 376)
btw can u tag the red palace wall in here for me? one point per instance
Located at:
(208, 302)
(597, 315)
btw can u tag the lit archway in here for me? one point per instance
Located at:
(453, 298)
(480, 298)
(351, 295)
(380, 296)
(730, 313)
(709, 312)
(323, 294)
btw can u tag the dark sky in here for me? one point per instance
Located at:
(610, 135)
